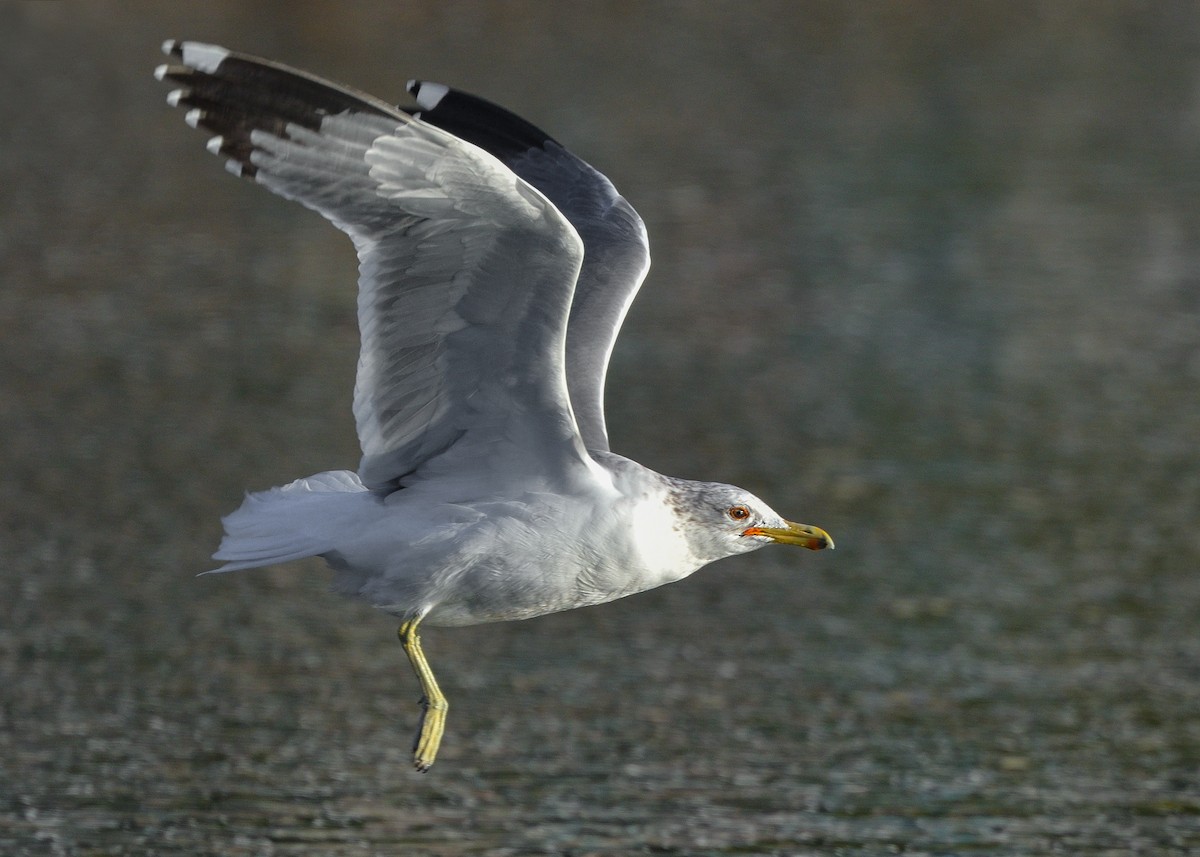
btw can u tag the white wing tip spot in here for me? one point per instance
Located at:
(160, 72)
(231, 166)
(174, 96)
(192, 117)
(214, 144)
(427, 94)
(200, 56)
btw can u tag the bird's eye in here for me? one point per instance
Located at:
(738, 513)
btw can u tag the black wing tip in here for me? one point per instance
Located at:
(232, 95)
(197, 73)
(476, 120)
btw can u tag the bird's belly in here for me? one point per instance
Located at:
(500, 592)
(513, 560)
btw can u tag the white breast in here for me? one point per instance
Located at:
(659, 543)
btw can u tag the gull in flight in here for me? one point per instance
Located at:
(495, 269)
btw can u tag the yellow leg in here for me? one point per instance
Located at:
(433, 703)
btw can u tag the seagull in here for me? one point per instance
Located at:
(495, 270)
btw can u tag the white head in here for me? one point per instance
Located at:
(722, 520)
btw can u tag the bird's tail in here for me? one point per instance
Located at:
(292, 522)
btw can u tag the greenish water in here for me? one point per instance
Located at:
(928, 279)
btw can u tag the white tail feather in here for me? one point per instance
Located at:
(292, 522)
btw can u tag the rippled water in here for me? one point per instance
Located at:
(926, 278)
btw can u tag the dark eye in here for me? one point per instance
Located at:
(738, 513)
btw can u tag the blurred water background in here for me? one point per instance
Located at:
(926, 274)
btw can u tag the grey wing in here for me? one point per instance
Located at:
(466, 272)
(616, 250)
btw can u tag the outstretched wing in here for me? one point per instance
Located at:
(466, 271)
(616, 252)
